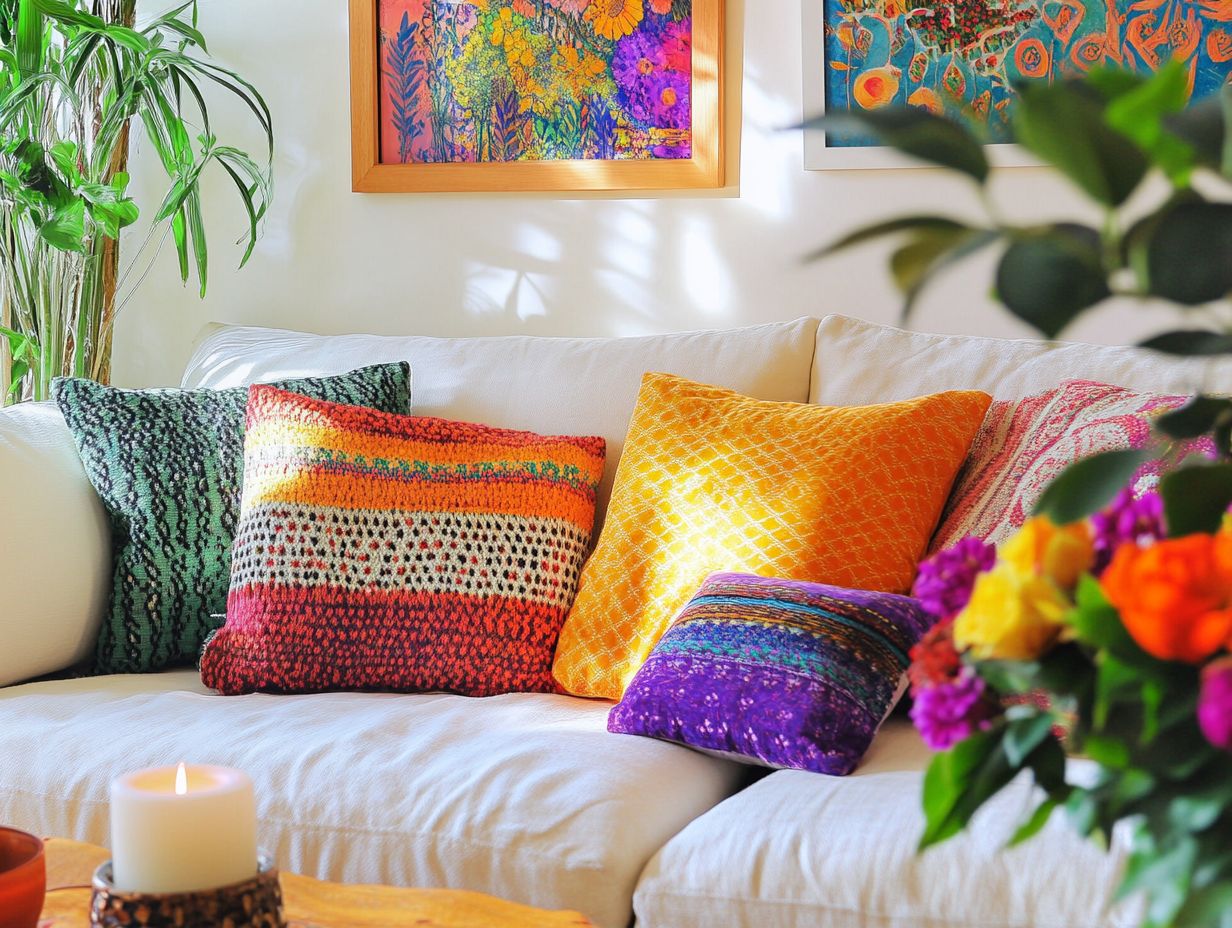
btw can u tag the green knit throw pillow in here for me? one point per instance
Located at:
(168, 465)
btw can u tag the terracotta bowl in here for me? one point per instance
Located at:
(23, 879)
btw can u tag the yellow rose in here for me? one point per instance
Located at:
(1013, 615)
(1060, 553)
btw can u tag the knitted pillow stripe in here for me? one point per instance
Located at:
(167, 465)
(780, 672)
(397, 552)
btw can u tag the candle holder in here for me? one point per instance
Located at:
(254, 903)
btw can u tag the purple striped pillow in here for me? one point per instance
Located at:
(782, 673)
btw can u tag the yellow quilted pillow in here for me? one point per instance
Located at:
(711, 480)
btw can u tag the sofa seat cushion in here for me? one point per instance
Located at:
(524, 796)
(801, 849)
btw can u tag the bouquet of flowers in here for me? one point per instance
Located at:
(1106, 637)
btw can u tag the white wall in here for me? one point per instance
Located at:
(335, 261)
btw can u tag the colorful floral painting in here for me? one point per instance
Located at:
(969, 54)
(534, 80)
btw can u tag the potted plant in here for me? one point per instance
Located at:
(76, 78)
(1104, 627)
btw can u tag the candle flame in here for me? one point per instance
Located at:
(181, 780)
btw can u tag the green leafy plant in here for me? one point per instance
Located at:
(1106, 134)
(77, 75)
(1130, 654)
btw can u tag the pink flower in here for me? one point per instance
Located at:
(1215, 704)
(952, 712)
(946, 579)
(1126, 520)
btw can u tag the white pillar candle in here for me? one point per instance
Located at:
(176, 830)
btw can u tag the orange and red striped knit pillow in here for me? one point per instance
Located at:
(381, 551)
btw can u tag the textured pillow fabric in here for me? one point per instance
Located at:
(402, 553)
(1024, 445)
(711, 480)
(780, 672)
(167, 465)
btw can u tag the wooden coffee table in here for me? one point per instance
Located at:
(310, 903)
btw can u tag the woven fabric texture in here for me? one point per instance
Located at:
(711, 480)
(167, 465)
(401, 553)
(777, 672)
(1025, 444)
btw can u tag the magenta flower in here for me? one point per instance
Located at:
(1215, 704)
(678, 45)
(1126, 520)
(650, 80)
(951, 712)
(945, 580)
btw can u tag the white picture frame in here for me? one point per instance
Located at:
(818, 156)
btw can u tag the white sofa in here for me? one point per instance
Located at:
(527, 796)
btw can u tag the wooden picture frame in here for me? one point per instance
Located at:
(703, 169)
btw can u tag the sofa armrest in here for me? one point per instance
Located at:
(55, 559)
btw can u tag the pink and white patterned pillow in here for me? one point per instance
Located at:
(1024, 444)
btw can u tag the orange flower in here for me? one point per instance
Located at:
(1175, 596)
(614, 18)
(662, 7)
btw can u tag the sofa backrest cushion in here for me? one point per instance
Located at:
(860, 362)
(553, 386)
(56, 570)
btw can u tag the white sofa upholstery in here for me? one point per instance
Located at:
(860, 362)
(55, 561)
(528, 796)
(798, 850)
(525, 796)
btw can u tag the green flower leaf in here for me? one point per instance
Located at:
(959, 781)
(1196, 497)
(1088, 485)
(1023, 736)
(1164, 872)
(1202, 804)
(1106, 750)
(1200, 416)
(1035, 823)
(1098, 624)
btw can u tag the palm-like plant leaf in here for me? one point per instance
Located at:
(79, 71)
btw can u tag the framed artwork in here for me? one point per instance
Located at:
(969, 55)
(560, 95)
